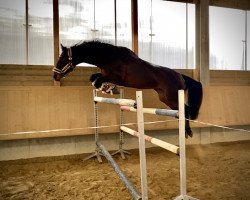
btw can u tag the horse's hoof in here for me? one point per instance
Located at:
(188, 132)
(93, 83)
(115, 90)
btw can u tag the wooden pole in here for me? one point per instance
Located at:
(56, 35)
(134, 22)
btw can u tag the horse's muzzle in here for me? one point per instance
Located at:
(57, 77)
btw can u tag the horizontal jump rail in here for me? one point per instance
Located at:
(157, 142)
(155, 111)
(120, 173)
(122, 102)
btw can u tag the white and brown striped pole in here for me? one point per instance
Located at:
(155, 141)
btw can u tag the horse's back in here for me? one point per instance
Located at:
(170, 79)
(150, 76)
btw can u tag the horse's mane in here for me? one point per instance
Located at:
(101, 49)
(97, 43)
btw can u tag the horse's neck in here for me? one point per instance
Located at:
(88, 55)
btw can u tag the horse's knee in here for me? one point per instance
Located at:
(98, 82)
(93, 77)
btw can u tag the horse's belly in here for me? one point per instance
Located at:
(141, 81)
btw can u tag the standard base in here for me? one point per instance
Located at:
(185, 197)
(122, 153)
(96, 154)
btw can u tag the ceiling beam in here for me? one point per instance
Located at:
(237, 4)
(242, 4)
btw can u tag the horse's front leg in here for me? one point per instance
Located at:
(93, 77)
(102, 84)
(99, 81)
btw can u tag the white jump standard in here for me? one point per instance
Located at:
(182, 150)
(129, 105)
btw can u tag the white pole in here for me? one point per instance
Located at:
(155, 111)
(140, 121)
(122, 102)
(183, 188)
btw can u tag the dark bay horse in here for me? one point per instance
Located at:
(121, 66)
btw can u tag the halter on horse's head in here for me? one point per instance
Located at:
(64, 65)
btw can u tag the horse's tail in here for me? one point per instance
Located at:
(195, 95)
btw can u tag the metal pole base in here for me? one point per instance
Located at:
(96, 154)
(122, 153)
(185, 197)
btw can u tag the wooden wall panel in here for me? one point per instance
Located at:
(4, 111)
(227, 78)
(31, 109)
(224, 105)
(69, 110)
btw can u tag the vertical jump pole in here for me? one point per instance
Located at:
(183, 187)
(97, 153)
(120, 150)
(183, 182)
(140, 122)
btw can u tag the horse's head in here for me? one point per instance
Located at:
(64, 64)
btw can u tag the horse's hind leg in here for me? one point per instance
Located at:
(188, 131)
(174, 105)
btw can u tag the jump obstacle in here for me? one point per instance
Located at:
(129, 105)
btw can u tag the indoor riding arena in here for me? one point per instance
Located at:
(125, 100)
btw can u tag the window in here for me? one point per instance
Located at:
(12, 30)
(38, 49)
(163, 41)
(40, 32)
(95, 19)
(228, 39)
(123, 23)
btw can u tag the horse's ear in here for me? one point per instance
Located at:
(63, 48)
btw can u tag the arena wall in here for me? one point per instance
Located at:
(31, 107)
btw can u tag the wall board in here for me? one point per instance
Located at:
(69, 110)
